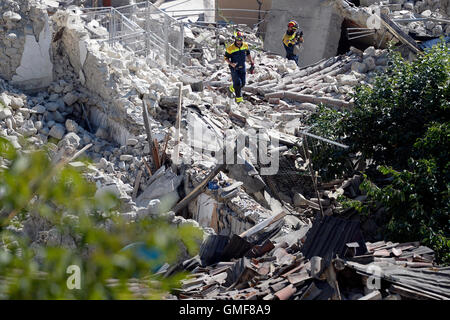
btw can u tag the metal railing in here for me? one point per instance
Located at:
(141, 28)
(147, 30)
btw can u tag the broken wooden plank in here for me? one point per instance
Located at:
(79, 153)
(136, 185)
(178, 126)
(198, 189)
(317, 100)
(155, 153)
(147, 123)
(399, 33)
(163, 154)
(147, 167)
(276, 94)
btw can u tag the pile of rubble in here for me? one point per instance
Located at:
(328, 261)
(420, 17)
(435, 15)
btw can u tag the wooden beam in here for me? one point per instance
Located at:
(155, 153)
(163, 154)
(258, 227)
(178, 125)
(148, 129)
(76, 155)
(197, 190)
(147, 167)
(399, 33)
(136, 184)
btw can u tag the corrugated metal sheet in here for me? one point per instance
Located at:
(434, 282)
(236, 248)
(212, 248)
(329, 236)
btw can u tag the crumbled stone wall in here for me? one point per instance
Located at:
(25, 44)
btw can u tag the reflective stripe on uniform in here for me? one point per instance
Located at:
(289, 39)
(232, 48)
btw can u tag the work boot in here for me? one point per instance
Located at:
(231, 88)
(239, 99)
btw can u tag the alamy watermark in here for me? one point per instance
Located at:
(262, 149)
(74, 280)
(374, 21)
(374, 281)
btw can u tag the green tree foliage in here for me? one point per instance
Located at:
(400, 124)
(330, 161)
(390, 116)
(31, 187)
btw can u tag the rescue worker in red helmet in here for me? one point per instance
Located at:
(292, 37)
(236, 54)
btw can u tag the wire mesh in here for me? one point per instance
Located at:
(147, 30)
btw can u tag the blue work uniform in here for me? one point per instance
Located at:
(289, 41)
(238, 55)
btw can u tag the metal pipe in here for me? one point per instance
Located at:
(362, 36)
(351, 28)
(324, 139)
(360, 32)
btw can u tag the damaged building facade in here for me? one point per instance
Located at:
(133, 97)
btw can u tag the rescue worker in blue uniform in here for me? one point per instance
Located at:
(236, 54)
(292, 37)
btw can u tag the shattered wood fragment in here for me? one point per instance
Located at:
(198, 189)
(136, 184)
(399, 33)
(178, 125)
(163, 154)
(148, 129)
(147, 167)
(155, 153)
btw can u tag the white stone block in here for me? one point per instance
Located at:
(5, 99)
(5, 113)
(126, 157)
(70, 98)
(71, 125)
(57, 131)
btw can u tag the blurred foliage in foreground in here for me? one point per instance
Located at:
(401, 125)
(31, 187)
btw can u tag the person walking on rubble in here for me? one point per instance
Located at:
(292, 38)
(236, 54)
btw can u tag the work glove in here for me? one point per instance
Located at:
(252, 69)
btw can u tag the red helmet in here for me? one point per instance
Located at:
(293, 24)
(239, 35)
